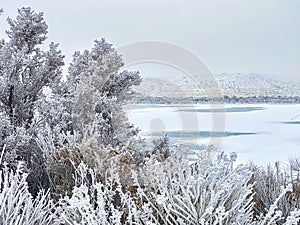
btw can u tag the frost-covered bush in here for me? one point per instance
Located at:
(178, 192)
(99, 90)
(63, 162)
(173, 191)
(25, 71)
(19, 145)
(17, 206)
(269, 183)
(169, 192)
(24, 68)
(98, 202)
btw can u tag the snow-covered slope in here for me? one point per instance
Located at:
(258, 85)
(240, 85)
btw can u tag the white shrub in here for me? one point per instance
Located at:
(17, 205)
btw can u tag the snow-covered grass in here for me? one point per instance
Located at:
(18, 207)
(171, 191)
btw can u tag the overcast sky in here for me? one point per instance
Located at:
(260, 36)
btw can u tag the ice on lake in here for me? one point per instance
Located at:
(259, 133)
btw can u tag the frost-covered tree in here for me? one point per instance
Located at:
(25, 70)
(100, 90)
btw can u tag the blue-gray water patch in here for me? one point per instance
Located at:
(227, 110)
(201, 134)
(286, 122)
(291, 122)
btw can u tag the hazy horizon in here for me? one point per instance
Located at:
(228, 36)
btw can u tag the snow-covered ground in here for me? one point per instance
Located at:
(260, 133)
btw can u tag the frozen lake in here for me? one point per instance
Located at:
(259, 133)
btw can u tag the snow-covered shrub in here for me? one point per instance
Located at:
(172, 191)
(268, 186)
(98, 202)
(63, 162)
(90, 108)
(17, 206)
(99, 90)
(25, 70)
(177, 192)
(269, 183)
(162, 192)
(19, 145)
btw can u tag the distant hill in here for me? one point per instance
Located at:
(231, 85)
(244, 85)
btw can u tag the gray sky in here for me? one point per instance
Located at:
(260, 36)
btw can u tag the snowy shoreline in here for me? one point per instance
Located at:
(225, 100)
